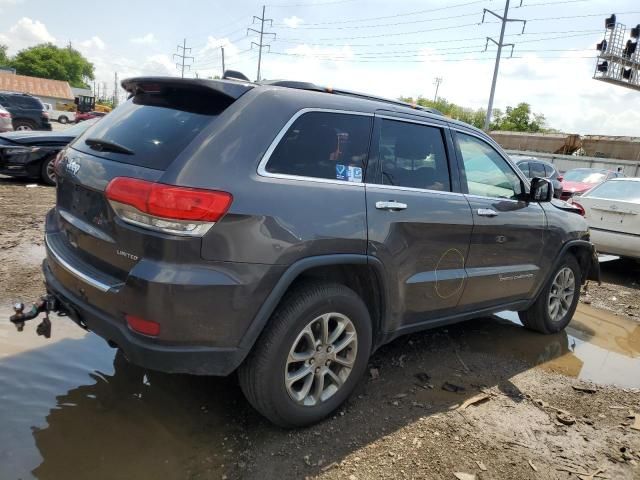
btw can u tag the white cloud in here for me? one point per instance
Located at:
(8, 3)
(292, 22)
(147, 39)
(26, 33)
(94, 42)
(160, 64)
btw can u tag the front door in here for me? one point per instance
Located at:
(417, 226)
(503, 263)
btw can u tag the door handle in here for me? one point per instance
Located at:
(487, 212)
(391, 206)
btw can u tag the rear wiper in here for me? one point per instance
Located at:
(107, 146)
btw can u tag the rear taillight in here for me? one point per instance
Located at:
(5, 115)
(167, 208)
(45, 115)
(140, 325)
(56, 162)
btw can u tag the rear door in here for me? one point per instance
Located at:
(504, 256)
(417, 226)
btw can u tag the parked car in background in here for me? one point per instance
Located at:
(533, 167)
(61, 116)
(579, 180)
(5, 120)
(27, 111)
(612, 210)
(347, 221)
(32, 154)
(81, 117)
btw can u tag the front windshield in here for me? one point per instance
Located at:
(585, 175)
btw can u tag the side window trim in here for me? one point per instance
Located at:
(262, 166)
(375, 166)
(463, 177)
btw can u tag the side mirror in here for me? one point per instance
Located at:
(541, 190)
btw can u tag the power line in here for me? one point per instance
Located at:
(504, 19)
(183, 56)
(465, 59)
(315, 4)
(262, 33)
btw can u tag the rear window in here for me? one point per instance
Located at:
(28, 102)
(324, 145)
(625, 190)
(156, 127)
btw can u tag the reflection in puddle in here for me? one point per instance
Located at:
(71, 408)
(597, 346)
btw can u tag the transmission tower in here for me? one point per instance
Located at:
(261, 34)
(183, 56)
(504, 19)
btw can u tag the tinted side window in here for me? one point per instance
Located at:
(324, 145)
(536, 169)
(487, 173)
(550, 171)
(413, 155)
(28, 102)
(524, 166)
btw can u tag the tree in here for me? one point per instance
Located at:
(48, 61)
(519, 118)
(4, 58)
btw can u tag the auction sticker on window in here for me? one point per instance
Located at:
(349, 173)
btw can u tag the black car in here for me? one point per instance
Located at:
(533, 167)
(27, 111)
(31, 154)
(287, 231)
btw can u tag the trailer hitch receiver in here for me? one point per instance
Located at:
(46, 304)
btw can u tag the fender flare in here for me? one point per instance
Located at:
(294, 271)
(593, 272)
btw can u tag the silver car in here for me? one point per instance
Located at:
(5, 120)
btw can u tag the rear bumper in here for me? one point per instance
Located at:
(195, 360)
(204, 310)
(616, 243)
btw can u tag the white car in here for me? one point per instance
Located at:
(62, 116)
(612, 210)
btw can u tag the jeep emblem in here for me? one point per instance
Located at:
(72, 167)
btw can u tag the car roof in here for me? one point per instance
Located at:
(624, 179)
(306, 95)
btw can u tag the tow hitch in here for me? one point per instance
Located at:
(46, 304)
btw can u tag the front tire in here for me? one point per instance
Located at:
(47, 171)
(311, 356)
(554, 308)
(63, 120)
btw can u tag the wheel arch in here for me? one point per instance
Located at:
(361, 273)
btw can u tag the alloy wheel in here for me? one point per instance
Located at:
(563, 290)
(321, 359)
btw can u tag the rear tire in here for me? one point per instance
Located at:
(24, 125)
(63, 120)
(327, 361)
(554, 308)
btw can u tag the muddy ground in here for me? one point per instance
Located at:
(71, 408)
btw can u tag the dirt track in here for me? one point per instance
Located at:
(400, 423)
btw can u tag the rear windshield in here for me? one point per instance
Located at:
(156, 127)
(585, 175)
(625, 190)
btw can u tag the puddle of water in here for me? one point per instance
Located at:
(597, 346)
(71, 408)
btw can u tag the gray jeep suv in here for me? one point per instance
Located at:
(286, 231)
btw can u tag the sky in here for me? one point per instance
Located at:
(388, 48)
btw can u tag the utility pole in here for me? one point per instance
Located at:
(262, 33)
(436, 81)
(504, 19)
(183, 56)
(223, 69)
(115, 90)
